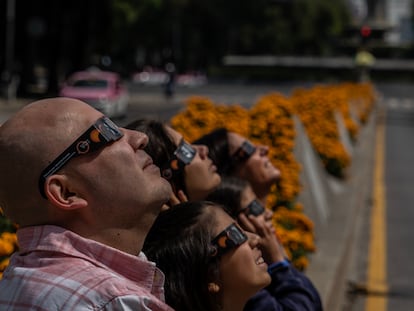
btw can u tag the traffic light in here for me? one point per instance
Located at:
(365, 31)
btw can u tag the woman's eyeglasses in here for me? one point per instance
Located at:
(254, 208)
(228, 239)
(183, 155)
(244, 152)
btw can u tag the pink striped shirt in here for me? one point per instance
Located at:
(57, 269)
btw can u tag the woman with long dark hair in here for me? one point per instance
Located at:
(188, 168)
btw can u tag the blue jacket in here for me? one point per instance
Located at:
(290, 290)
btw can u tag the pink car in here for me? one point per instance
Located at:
(102, 90)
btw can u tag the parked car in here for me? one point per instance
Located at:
(191, 79)
(103, 90)
(150, 77)
(153, 76)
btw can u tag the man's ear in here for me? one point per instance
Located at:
(57, 190)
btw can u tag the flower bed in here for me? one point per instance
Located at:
(316, 109)
(8, 241)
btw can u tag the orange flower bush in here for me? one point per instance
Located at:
(201, 116)
(8, 241)
(317, 107)
(361, 99)
(295, 231)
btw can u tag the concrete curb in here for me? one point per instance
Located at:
(313, 177)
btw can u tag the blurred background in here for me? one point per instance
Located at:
(43, 41)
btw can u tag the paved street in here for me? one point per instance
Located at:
(383, 273)
(400, 212)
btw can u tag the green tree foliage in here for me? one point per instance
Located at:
(195, 34)
(317, 23)
(198, 33)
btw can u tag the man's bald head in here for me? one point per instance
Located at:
(29, 141)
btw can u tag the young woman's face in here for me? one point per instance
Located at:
(243, 271)
(247, 196)
(201, 175)
(257, 169)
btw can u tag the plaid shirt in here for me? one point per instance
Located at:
(56, 269)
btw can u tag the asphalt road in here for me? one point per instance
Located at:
(381, 273)
(400, 198)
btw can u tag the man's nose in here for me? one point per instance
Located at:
(138, 140)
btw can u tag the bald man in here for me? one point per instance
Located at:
(84, 194)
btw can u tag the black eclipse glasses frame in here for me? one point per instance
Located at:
(100, 134)
(244, 152)
(183, 155)
(228, 239)
(254, 208)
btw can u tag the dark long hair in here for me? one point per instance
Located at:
(218, 150)
(179, 243)
(161, 148)
(229, 194)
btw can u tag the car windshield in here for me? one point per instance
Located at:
(90, 83)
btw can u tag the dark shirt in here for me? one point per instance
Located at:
(290, 290)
